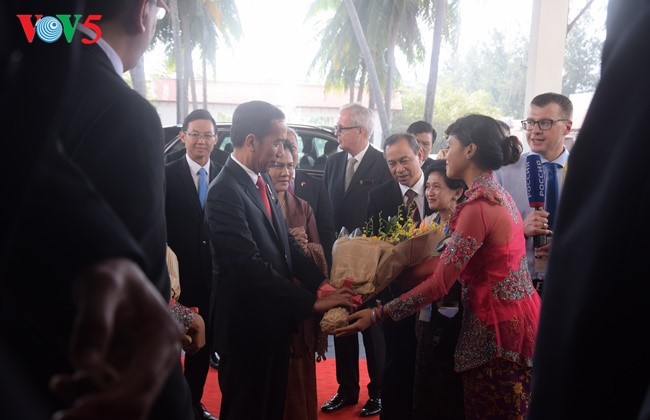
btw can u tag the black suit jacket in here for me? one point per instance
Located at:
(255, 304)
(104, 189)
(350, 207)
(187, 233)
(428, 161)
(386, 200)
(312, 190)
(217, 155)
(108, 126)
(54, 224)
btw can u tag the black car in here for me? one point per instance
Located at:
(311, 145)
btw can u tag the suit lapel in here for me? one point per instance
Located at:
(365, 164)
(251, 191)
(397, 198)
(279, 224)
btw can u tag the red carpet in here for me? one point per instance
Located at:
(326, 385)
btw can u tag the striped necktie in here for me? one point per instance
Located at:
(411, 205)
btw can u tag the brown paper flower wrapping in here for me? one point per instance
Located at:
(373, 264)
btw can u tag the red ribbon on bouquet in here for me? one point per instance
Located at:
(328, 289)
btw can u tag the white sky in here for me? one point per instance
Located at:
(279, 46)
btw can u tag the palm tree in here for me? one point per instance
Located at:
(444, 17)
(372, 72)
(379, 27)
(199, 23)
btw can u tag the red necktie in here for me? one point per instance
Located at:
(261, 189)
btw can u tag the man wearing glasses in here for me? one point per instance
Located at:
(187, 180)
(548, 123)
(349, 176)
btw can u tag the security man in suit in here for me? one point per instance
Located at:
(187, 180)
(87, 282)
(349, 176)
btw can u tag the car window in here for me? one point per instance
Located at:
(226, 143)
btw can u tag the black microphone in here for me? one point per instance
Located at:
(535, 188)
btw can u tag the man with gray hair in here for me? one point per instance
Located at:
(349, 176)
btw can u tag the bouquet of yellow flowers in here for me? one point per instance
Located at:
(368, 263)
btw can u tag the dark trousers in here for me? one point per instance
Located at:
(196, 368)
(397, 387)
(174, 398)
(347, 362)
(253, 386)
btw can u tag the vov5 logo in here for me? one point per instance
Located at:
(49, 28)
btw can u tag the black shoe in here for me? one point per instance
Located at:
(371, 407)
(200, 413)
(214, 360)
(336, 402)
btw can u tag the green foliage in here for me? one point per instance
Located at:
(452, 103)
(582, 56)
(496, 66)
(393, 230)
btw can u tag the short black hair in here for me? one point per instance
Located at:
(253, 117)
(394, 138)
(494, 148)
(422, 127)
(330, 147)
(199, 114)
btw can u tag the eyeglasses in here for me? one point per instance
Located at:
(528, 125)
(338, 129)
(282, 166)
(196, 136)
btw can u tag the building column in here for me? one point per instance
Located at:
(547, 43)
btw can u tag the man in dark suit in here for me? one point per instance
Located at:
(349, 175)
(186, 186)
(255, 302)
(426, 135)
(86, 286)
(590, 359)
(403, 155)
(217, 156)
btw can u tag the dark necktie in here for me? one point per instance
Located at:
(551, 192)
(203, 186)
(411, 205)
(261, 190)
(349, 172)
